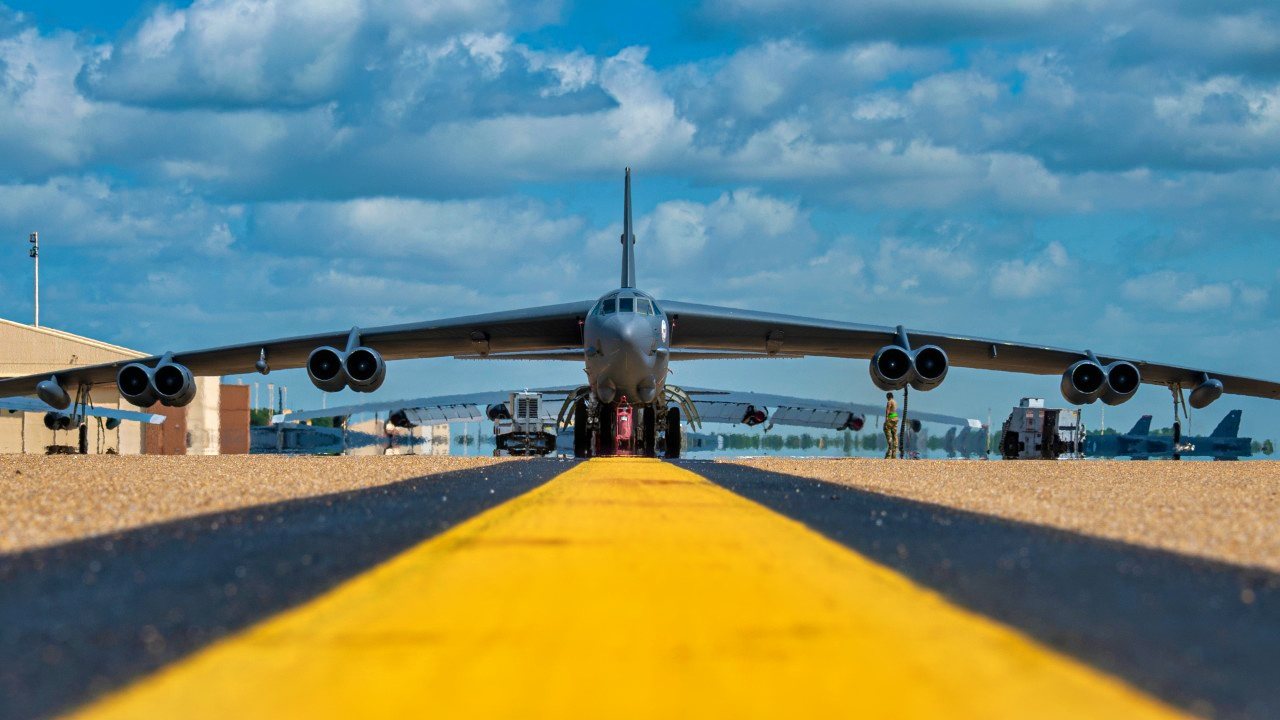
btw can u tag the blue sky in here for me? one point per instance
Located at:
(1071, 172)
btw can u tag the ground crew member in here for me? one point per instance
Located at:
(890, 426)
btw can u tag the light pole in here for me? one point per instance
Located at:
(34, 239)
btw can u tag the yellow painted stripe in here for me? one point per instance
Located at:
(629, 588)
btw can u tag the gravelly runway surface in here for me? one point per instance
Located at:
(55, 499)
(81, 617)
(1228, 511)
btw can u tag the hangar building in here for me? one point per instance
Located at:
(217, 422)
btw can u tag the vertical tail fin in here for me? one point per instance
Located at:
(628, 239)
(1142, 427)
(1229, 427)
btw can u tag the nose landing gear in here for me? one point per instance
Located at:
(621, 428)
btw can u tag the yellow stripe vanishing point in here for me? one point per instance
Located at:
(628, 588)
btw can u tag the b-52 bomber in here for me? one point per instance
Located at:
(626, 340)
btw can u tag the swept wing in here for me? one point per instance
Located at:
(22, 404)
(731, 329)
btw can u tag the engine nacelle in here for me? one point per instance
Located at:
(52, 393)
(891, 368)
(1123, 379)
(1084, 382)
(929, 365)
(173, 384)
(853, 422)
(1205, 393)
(498, 411)
(57, 421)
(364, 369)
(754, 416)
(400, 419)
(324, 368)
(134, 383)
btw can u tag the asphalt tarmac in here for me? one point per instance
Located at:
(1202, 635)
(84, 618)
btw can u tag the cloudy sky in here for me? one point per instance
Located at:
(1073, 172)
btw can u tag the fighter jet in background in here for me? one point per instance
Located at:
(626, 339)
(1224, 443)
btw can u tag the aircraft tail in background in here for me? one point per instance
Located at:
(1142, 427)
(1229, 427)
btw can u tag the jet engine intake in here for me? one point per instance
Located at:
(1084, 382)
(364, 369)
(497, 411)
(1206, 392)
(324, 368)
(891, 368)
(173, 384)
(134, 383)
(930, 365)
(754, 416)
(853, 422)
(1123, 379)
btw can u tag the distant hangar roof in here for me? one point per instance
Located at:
(29, 349)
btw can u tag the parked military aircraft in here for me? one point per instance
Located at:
(65, 419)
(627, 339)
(704, 406)
(970, 441)
(1224, 443)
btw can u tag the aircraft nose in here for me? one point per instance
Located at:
(627, 344)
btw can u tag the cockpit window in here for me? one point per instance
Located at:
(626, 304)
(643, 306)
(606, 306)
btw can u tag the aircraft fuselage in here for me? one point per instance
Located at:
(626, 343)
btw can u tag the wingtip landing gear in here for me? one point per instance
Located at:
(672, 436)
(581, 430)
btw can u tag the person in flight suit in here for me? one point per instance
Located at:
(890, 426)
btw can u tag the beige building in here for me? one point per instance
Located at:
(29, 350)
(216, 422)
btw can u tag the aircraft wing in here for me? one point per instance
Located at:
(801, 412)
(576, 355)
(22, 404)
(706, 327)
(466, 407)
(553, 327)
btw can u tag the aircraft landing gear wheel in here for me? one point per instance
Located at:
(649, 430)
(673, 433)
(581, 431)
(606, 443)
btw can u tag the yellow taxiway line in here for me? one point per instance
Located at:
(628, 588)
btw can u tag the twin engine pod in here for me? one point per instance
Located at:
(60, 421)
(362, 369)
(1088, 380)
(168, 382)
(893, 367)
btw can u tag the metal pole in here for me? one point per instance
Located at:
(34, 239)
(902, 431)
